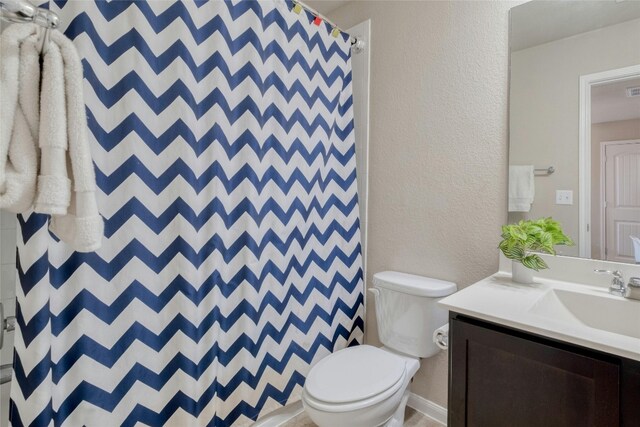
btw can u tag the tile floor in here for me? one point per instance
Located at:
(412, 418)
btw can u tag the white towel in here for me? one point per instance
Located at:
(63, 141)
(19, 116)
(521, 188)
(57, 124)
(54, 186)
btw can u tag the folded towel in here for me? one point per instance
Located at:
(53, 119)
(521, 188)
(19, 116)
(63, 141)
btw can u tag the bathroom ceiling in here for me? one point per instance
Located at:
(610, 102)
(326, 6)
(541, 22)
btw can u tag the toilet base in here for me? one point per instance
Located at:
(397, 420)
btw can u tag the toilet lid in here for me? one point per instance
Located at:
(355, 373)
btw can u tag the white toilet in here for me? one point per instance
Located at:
(366, 386)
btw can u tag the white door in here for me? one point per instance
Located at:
(622, 199)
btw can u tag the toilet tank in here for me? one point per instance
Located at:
(407, 311)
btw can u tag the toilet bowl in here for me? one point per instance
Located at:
(366, 386)
(341, 392)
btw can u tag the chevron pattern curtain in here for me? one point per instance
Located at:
(222, 135)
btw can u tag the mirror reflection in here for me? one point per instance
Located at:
(575, 123)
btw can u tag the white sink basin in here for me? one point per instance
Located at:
(595, 310)
(580, 314)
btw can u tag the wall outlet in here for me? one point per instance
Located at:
(564, 197)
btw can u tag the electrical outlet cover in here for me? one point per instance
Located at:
(564, 197)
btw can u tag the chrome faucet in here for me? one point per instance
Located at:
(618, 287)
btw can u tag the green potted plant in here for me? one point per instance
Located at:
(522, 240)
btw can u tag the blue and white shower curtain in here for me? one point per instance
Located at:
(223, 140)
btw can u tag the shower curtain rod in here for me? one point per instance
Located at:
(357, 44)
(22, 11)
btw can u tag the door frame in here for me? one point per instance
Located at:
(584, 146)
(603, 190)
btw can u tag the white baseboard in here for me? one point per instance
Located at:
(427, 407)
(280, 416)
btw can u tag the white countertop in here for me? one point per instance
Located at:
(499, 300)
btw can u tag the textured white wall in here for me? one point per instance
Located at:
(438, 145)
(8, 224)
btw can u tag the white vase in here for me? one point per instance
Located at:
(520, 273)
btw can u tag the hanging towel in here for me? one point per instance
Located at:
(55, 120)
(521, 188)
(54, 186)
(19, 116)
(63, 141)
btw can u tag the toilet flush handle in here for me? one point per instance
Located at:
(374, 291)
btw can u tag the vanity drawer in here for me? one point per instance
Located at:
(503, 377)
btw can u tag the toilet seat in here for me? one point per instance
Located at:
(354, 378)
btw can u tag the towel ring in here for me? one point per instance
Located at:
(22, 11)
(44, 37)
(47, 21)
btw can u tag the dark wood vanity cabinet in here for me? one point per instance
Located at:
(504, 377)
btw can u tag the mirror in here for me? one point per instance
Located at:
(574, 123)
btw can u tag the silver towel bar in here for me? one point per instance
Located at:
(545, 171)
